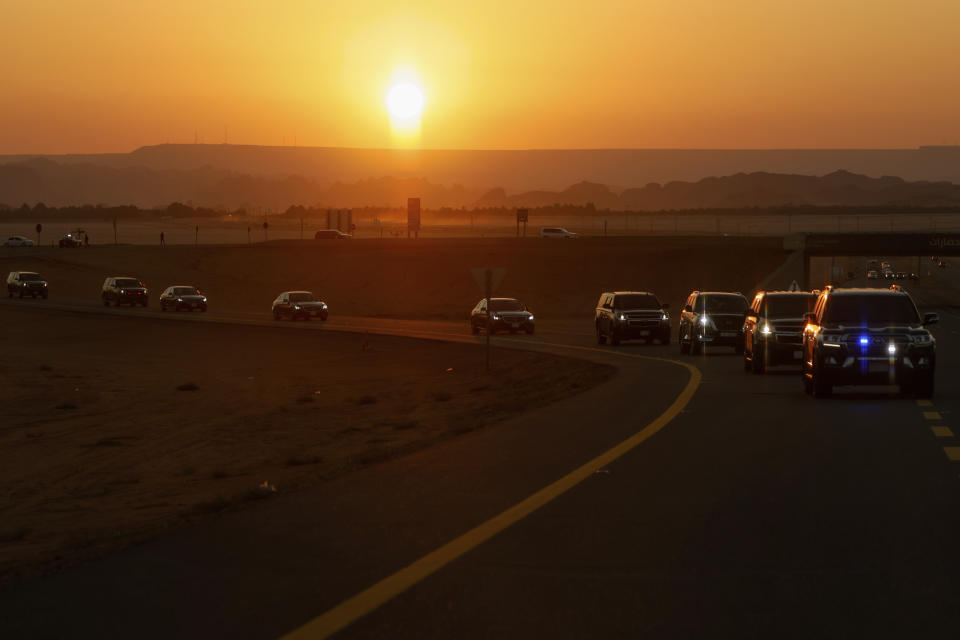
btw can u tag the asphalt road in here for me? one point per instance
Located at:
(756, 511)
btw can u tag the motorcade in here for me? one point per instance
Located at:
(27, 283)
(873, 275)
(299, 305)
(124, 290)
(331, 234)
(773, 329)
(183, 297)
(866, 337)
(626, 315)
(18, 241)
(713, 318)
(556, 232)
(501, 314)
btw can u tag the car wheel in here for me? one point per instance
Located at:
(738, 347)
(696, 347)
(684, 346)
(21, 294)
(601, 339)
(276, 315)
(614, 338)
(203, 309)
(474, 329)
(10, 293)
(665, 337)
(757, 362)
(923, 386)
(819, 387)
(163, 307)
(530, 331)
(106, 302)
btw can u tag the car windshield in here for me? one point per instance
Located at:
(507, 304)
(723, 303)
(863, 310)
(636, 301)
(30, 276)
(301, 296)
(789, 306)
(185, 291)
(128, 282)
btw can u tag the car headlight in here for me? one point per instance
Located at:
(530, 318)
(704, 320)
(44, 284)
(664, 316)
(179, 299)
(203, 299)
(766, 330)
(922, 338)
(621, 317)
(296, 307)
(832, 339)
(495, 316)
(323, 305)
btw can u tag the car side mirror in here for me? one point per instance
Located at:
(930, 318)
(810, 318)
(687, 308)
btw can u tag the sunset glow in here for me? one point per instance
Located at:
(108, 75)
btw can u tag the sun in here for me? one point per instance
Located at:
(405, 103)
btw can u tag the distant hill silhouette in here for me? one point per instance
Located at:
(76, 183)
(523, 170)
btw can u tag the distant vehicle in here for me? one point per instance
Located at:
(873, 275)
(773, 329)
(299, 305)
(18, 241)
(556, 232)
(183, 297)
(124, 290)
(888, 275)
(914, 276)
(943, 264)
(331, 234)
(503, 314)
(714, 318)
(624, 315)
(868, 336)
(26, 283)
(886, 266)
(71, 241)
(901, 275)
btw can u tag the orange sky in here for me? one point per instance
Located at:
(111, 75)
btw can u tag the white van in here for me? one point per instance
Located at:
(556, 232)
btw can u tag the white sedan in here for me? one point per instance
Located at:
(556, 232)
(18, 241)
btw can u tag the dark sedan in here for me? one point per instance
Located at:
(183, 297)
(502, 314)
(299, 305)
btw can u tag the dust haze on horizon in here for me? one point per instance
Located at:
(111, 76)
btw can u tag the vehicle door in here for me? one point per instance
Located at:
(608, 312)
(810, 335)
(484, 315)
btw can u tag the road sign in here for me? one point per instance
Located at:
(39, 227)
(496, 277)
(522, 215)
(413, 215)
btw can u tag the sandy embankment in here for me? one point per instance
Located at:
(99, 445)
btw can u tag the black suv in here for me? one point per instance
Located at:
(773, 330)
(26, 283)
(503, 314)
(124, 290)
(868, 336)
(712, 317)
(622, 315)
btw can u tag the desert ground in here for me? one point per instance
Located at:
(118, 428)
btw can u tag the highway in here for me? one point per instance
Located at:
(703, 502)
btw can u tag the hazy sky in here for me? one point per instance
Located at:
(111, 75)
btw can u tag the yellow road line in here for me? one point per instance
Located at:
(953, 453)
(924, 403)
(932, 415)
(942, 432)
(373, 597)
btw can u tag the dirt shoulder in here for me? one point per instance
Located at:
(119, 428)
